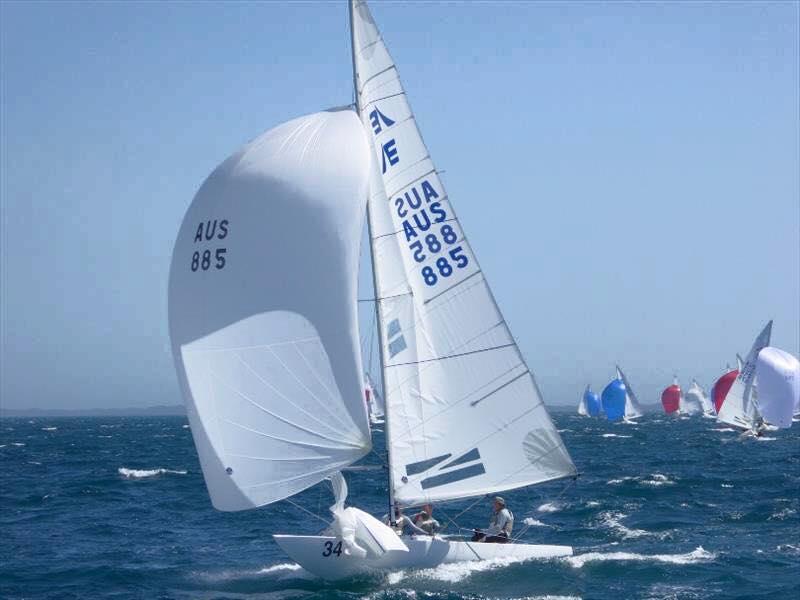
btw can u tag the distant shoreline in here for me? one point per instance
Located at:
(148, 411)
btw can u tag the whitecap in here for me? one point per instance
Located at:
(455, 572)
(49, 428)
(280, 567)
(142, 473)
(549, 507)
(592, 503)
(395, 577)
(614, 435)
(613, 521)
(184, 427)
(620, 480)
(782, 514)
(531, 522)
(17, 443)
(726, 485)
(764, 438)
(724, 429)
(657, 479)
(698, 555)
(788, 548)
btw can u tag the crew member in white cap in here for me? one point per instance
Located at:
(500, 525)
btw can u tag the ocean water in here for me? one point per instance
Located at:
(668, 508)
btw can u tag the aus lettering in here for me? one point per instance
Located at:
(209, 230)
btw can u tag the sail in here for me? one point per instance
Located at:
(778, 375)
(633, 409)
(262, 311)
(738, 408)
(592, 402)
(722, 386)
(613, 399)
(697, 394)
(374, 399)
(582, 410)
(671, 398)
(464, 414)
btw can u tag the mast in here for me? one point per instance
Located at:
(378, 315)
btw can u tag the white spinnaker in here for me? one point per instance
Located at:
(465, 416)
(738, 409)
(582, 404)
(262, 311)
(633, 409)
(696, 393)
(778, 375)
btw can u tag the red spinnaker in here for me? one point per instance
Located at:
(671, 399)
(722, 386)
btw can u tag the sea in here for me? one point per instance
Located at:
(116, 507)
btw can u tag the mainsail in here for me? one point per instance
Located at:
(582, 411)
(738, 408)
(778, 375)
(464, 414)
(262, 311)
(697, 394)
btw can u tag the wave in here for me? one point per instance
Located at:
(657, 479)
(17, 444)
(698, 555)
(726, 485)
(531, 522)
(764, 438)
(724, 429)
(613, 521)
(782, 514)
(49, 428)
(455, 572)
(549, 507)
(610, 435)
(142, 473)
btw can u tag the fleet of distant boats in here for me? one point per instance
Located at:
(763, 392)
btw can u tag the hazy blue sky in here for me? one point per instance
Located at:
(627, 173)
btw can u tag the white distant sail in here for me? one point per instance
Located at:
(738, 409)
(778, 375)
(269, 366)
(633, 409)
(689, 404)
(465, 416)
(696, 393)
(374, 400)
(582, 411)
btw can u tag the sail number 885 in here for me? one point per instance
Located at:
(444, 268)
(203, 260)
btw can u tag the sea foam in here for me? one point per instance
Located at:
(142, 473)
(698, 555)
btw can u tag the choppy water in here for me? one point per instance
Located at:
(116, 507)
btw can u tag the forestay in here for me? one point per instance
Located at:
(262, 311)
(737, 408)
(465, 416)
(778, 374)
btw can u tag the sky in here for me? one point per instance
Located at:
(628, 173)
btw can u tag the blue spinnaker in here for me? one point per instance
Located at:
(614, 400)
(592, 403)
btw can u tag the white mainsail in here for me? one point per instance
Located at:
(778, 375)
(464, 414)
(738, 409)
(696, 393)
(582, 410)
(269, 365)
(689, 404)
(633, 409)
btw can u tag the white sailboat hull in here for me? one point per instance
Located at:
(313, 553)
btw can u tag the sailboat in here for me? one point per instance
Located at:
(739, 407)
(589, 405)
(696, 394)
(671, 397)
(722, 385)
(375, 404)
(619, 401)
(264, 330)
(689, 404)
(778, 375)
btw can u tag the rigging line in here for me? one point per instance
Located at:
(378, 74)
(427, 360)
(305, 510)
(383, 235)
(368, 102)
(455, 285)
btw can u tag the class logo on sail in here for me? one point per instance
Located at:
(389, 155)
(446, 474)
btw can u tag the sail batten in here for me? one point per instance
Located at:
(445, 345)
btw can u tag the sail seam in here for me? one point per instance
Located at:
(507, 383)
(278, 417)
(454, 286)
(383, 235)
(381, 299)
(427, 360)
(409, 167)
(344, 448)
(278, 393)
(382, 98)
(254, 347)
(413, 181)
(378, 74)
(332, 469)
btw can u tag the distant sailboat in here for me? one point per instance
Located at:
(721, 387)
(375, 404)
(778, 375)
(671, 398)
(589, 406)
(689, 404)
(739, 407)
(619, 400)
(697, 394)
